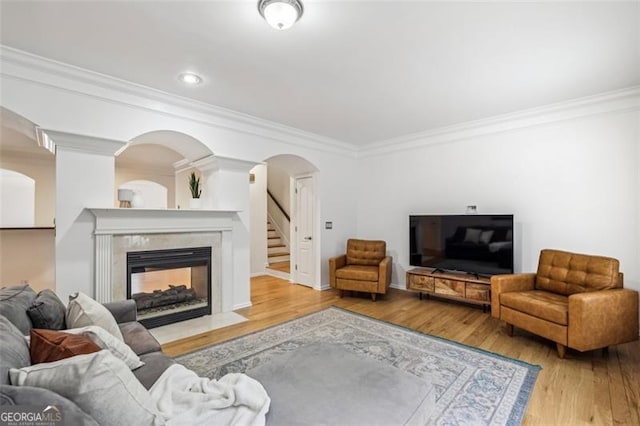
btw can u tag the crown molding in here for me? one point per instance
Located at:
(614, 101)
(215, 163)
(83, 82)
(104, 87)
(182, 165)
(218, 163)
(79, 143)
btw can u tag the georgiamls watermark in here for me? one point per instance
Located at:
(30, 415)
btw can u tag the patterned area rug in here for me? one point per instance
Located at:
(472, 386)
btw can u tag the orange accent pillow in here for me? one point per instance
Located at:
(53, 345)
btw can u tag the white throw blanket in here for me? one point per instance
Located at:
(183, 398)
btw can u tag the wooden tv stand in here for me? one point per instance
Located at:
(449, 285)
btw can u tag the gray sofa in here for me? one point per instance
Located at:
(18, 312)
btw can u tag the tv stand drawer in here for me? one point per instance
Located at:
(420, 282)
(461, 287)
(478, 292)
(449, 287)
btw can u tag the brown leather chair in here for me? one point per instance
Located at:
(575, 300)
(365, 267)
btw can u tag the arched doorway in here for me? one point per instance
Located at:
(292, 210)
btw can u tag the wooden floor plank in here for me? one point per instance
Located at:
(584, 388)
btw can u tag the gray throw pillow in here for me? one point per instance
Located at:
(83, 311)
(99, 383)
(47, 311)
(14, 352)
(14, 302)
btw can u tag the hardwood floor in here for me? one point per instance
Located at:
(584, 388)
(280, 266)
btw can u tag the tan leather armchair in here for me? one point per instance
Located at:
(575, 300)
(365, 267)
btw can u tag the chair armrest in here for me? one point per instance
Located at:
(123, 310)
(384, 274)
(598, 319)
(506, 283)
(335, 263)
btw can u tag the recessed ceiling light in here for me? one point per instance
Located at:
(190, 78)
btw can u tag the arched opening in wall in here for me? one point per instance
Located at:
(27, 204)
(20, 152)
(147, 194)
(148, 170)
(162, 157)
(187, 146)
(291, 219)
(18, 200)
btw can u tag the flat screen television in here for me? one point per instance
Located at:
(477, 244)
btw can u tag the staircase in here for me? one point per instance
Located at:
(277, 251)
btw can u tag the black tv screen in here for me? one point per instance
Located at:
(477, 244)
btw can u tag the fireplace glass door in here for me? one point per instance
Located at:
(170, 285)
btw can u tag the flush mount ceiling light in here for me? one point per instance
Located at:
(280, 14)
(190, 78)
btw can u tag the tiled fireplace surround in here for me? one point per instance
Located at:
(119, 231)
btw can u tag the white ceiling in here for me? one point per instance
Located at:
(356, 71)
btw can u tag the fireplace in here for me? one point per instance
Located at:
(169, 285)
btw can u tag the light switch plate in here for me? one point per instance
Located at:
(328, 225)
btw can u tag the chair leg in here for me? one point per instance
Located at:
(510, 330)
(373, 297)
(562, 350)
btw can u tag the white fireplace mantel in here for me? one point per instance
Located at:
(116, 222)
(150, 221)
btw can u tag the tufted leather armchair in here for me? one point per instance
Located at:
(365, 267)
(575, 300)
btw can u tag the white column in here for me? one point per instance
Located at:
(226, 187)
(227, 256)
(85, 177)
(104, 252)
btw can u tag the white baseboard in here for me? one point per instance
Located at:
(397, 286)
(242, 305)
(277, 274)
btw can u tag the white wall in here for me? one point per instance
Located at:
(636, 256)
(83, 180)
(42, 169)
(28, 255)
(279, 183)
(258, 194)
(571, 184)
(18, 199)
(151, 195)
(128, 174)
(125, 112)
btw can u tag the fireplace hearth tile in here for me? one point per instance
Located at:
(180, 330)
